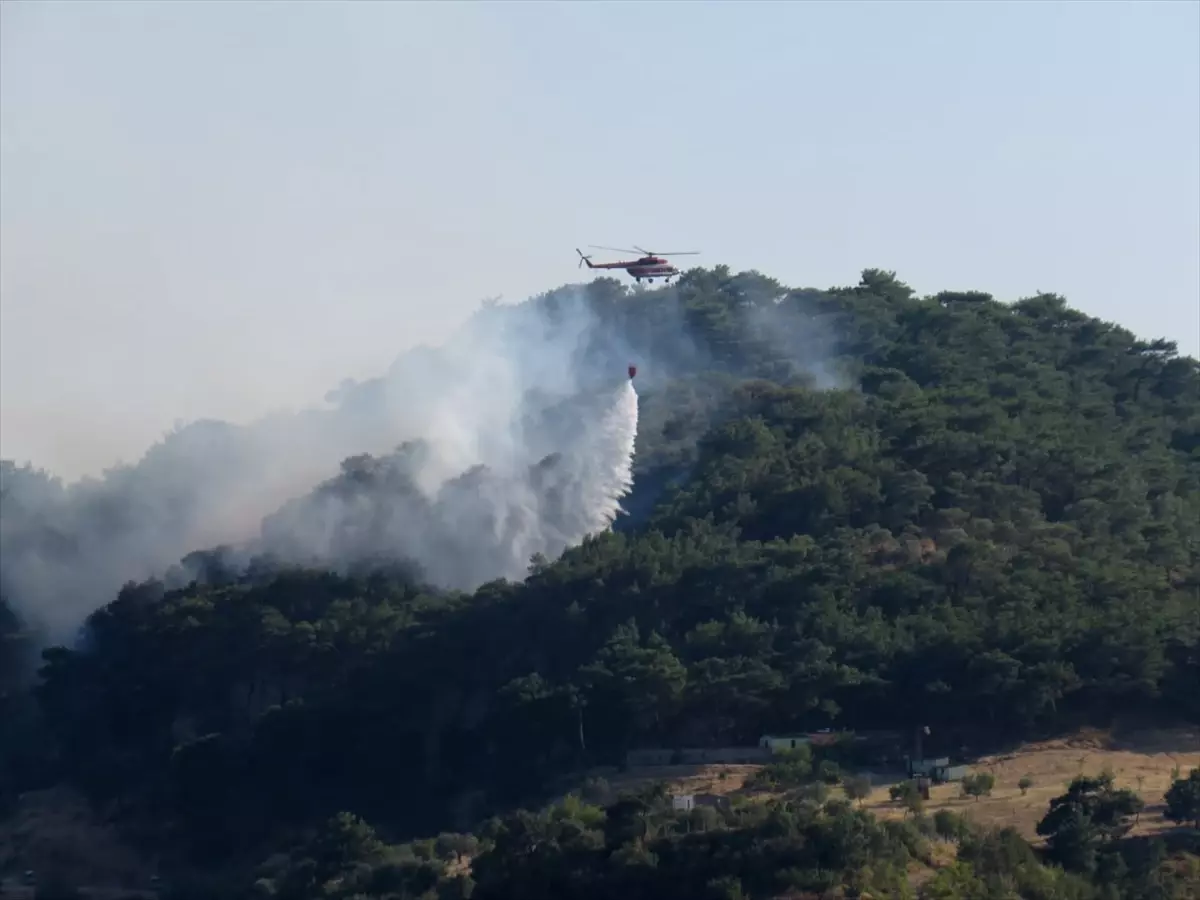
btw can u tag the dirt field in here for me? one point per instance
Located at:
(698, 779)
(1140, 761)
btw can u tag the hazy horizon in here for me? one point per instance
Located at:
(221, 210)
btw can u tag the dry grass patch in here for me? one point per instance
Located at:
(711, 778)
(1142, 762)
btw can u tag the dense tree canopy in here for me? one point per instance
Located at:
(852, 507)
(636, 845)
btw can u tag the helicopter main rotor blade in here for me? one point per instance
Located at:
(676, 253)
(612, 249)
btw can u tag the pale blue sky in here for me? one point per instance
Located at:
(220, 208)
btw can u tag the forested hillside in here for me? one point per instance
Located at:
(852, 508)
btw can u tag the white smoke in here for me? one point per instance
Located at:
(515, 441)
(485, 523)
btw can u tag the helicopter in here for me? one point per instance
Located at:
(650, 266)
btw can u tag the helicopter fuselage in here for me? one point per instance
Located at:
(651, 268)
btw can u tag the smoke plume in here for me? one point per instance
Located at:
(514, 439)
(485, 523)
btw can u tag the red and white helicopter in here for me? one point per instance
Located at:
(650, 266)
